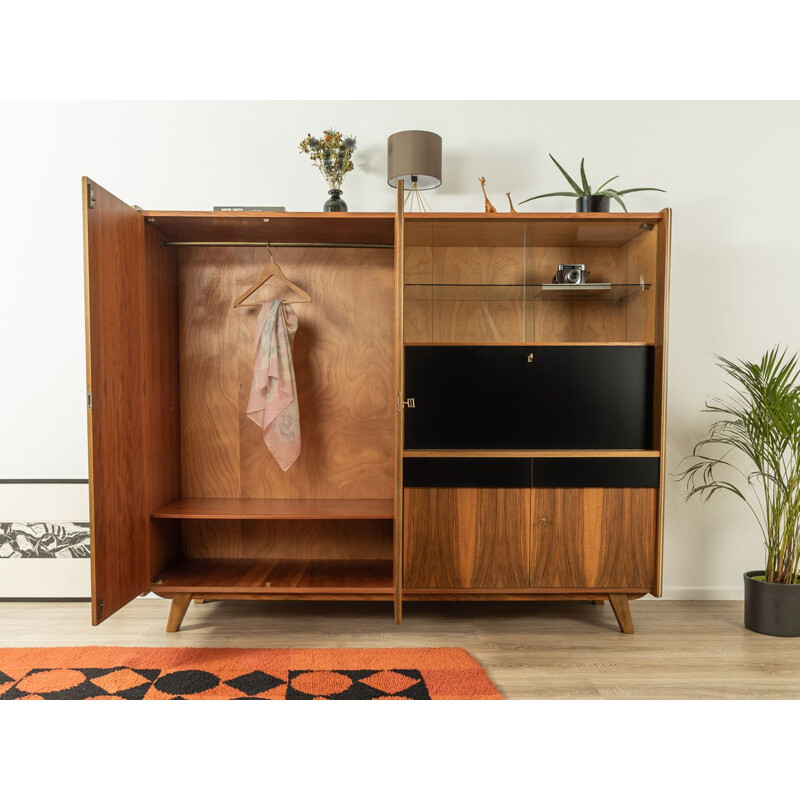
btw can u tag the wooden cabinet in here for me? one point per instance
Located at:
(185, 499)
(515, 386)
(466, 538)
(598, 538)
(533, 402)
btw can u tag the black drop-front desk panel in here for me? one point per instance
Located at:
(529, 397)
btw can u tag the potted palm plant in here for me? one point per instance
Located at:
(598, 199)
(752, 451)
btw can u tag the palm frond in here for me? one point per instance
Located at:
(759, 424)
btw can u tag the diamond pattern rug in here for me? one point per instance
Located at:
(200, 673)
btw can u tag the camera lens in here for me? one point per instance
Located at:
(573, 276)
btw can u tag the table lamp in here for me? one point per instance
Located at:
(415, 157)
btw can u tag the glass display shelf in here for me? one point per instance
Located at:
(511, 292)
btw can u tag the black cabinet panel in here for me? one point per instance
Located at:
(506, 397)
(490, 473)
(589, 472)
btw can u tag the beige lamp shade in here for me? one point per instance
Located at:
(416, 158)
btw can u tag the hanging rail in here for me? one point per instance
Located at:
(277, 244)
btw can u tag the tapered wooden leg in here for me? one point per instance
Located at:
(398, 611)
(177, 611)
(622, 611)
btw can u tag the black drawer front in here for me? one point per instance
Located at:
(588, 472)
(491, 473)
(565, 397)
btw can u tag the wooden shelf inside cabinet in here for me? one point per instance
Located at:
(254, 508)
(531, 453)
(255, 576)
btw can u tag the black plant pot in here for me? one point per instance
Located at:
(594, 202)
(335, 203)
(771, 608)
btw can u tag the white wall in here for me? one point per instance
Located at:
(731, 169)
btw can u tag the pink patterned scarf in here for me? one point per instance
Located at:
(273, 395)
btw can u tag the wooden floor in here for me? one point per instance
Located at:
(681, 649)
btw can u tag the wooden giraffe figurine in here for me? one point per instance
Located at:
(511, 209)
(488, 207)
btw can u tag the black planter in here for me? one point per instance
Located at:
(771, 608)
(594, 202)
(335, 203)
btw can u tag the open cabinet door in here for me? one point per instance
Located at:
(114, 242)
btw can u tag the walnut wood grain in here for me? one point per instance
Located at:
(177, 611)
(640, 309)
(344, 365)
(466, 538)
(162, 389)
(269, 508)
(622, 611)
(575, 320)
(293, 539)
(231, 575)
(460, 318)
(257, 226)
(117, 376)
(593, 538)
(660, 383)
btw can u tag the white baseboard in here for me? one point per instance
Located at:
(700, 593)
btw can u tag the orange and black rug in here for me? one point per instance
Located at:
(199, 673)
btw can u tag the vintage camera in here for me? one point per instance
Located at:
(571, 274)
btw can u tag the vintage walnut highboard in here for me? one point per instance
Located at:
(469, 430)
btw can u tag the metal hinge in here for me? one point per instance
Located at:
(99, 608)
(407, 403)
(89, 400)
(91, 196)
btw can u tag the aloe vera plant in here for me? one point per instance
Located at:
(585, 190)
(753, 452)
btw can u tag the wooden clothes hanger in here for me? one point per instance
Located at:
(272, 270)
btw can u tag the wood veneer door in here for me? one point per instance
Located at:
(593, 538)
(466, 538)
(115, 314)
